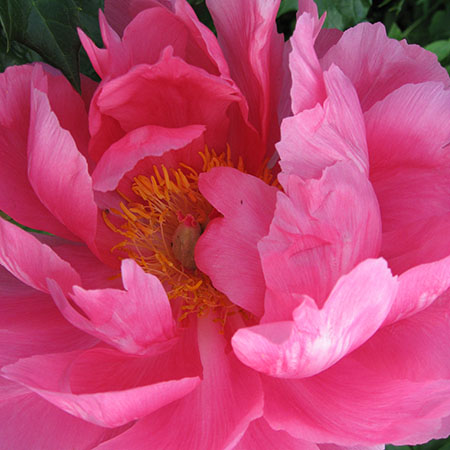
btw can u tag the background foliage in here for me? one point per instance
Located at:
(45, 30)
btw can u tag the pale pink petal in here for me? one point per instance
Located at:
(317, 339)
(132, 320)
(32, 262)
(308, 86)
(49, 376)
(149, 140)
(419, 287)
(31, 324)
(30, 422)
(409, 128)
(377, 65)
(351, 405)
(316, 138)
(259, 436)
(58, 172)
(415, 348)
(254, 50)
(212, 417)
(325, 40)
(227, 250)
(321, 229)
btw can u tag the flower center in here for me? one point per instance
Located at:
(161, 228)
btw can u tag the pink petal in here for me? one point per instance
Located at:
(132, 320)
(321, 229)
(253, 48)
(201, 47)
(17, 197)
(308, 86)
(415, 348)
(259, 436)
(419, 287)
(28, 421)
(169, 94)
(227, 250)
(48, 376)
(31, 324)
(32, 262)
(377, 65)
(317, 339)
(351, 405)
(419, 242)
(58, 172)
(316, 138)
(149, 140)
(409, 127)
(212, 417)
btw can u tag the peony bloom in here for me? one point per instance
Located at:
(195, 291)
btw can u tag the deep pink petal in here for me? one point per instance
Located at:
(320, 231)
(212, 417)
(414, 348)
(197, 44)
(32, 262)
(17, 197)
(377, 65)
(149, 140)
(316, 138)
(259, 436)
(410, 128)
(317, 339)
(419, 287)
(169, 94)
(308, 86)
(58, 172)
(27, 419)
(420, 242)
(227, 250)
(351, 405)
(132, 320)
(254, 50)
(56, 378)
(31, 324)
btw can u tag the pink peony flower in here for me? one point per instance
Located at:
(187, 299)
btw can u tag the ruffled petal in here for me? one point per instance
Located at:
(377, 65)
(321, 229)
(227, 250)
(212, 417)
(133, 320)
(316, 138)
(317, 339)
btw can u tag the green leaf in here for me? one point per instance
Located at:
(441, 48)
(46, 28)
(343, 14)
(287, 6)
